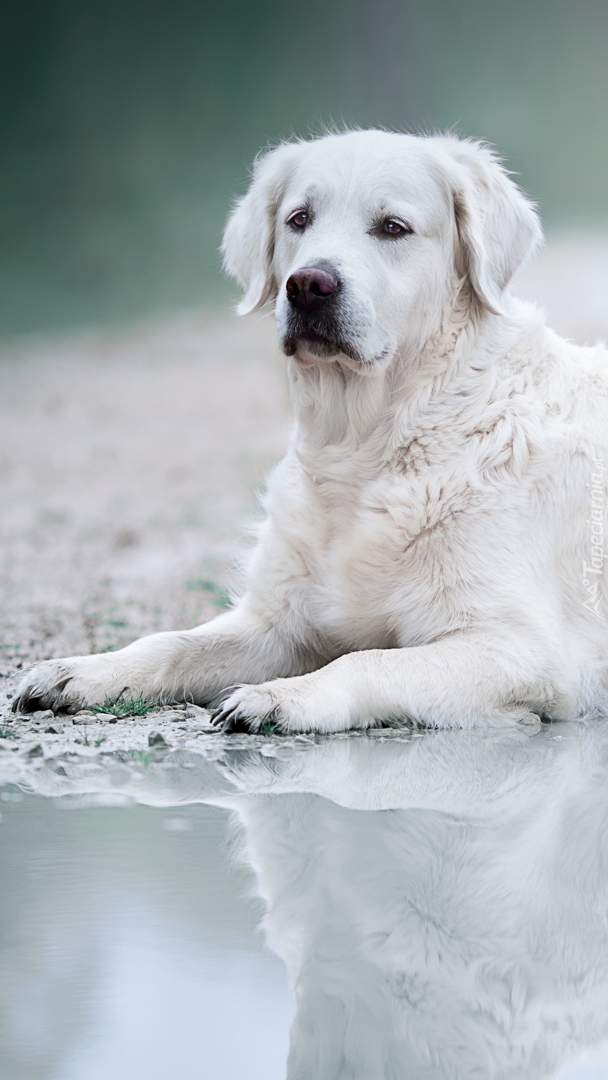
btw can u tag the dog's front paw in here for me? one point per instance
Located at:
(69, 684)
(303, 703)
(249, 708)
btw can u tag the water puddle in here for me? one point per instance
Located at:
(430, 905)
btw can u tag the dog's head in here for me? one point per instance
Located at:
(361, 238)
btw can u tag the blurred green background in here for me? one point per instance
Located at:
(128, 125)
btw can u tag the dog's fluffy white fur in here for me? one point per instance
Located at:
(433, 546)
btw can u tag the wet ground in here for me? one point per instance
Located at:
(432, 904)
(129, 947)
(438, 901)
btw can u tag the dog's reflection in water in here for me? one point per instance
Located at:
(441, 903)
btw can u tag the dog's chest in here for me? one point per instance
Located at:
(384, 558)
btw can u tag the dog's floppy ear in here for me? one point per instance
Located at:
(248, 244)
(498, 228)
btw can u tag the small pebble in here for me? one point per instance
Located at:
(155, 739)
(197, 712)
(42, 714)
(51, 731)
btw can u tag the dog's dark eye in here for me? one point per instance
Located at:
(392, 227)
(299, 219)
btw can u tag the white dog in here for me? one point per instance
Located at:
(433, 548)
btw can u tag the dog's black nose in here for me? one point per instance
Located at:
(311, 287)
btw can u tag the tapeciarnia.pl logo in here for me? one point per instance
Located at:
(594, 569)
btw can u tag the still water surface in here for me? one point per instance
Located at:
(439, 904)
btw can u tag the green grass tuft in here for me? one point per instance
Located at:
(144, 757)
(139, 707)
(268, 727)
(91, 742)
(7, 732)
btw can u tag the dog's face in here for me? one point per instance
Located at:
(362, 246)
(363, 238)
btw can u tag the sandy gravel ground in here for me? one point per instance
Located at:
(129, 466)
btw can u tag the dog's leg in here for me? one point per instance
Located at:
(194, 665)
(464, 680)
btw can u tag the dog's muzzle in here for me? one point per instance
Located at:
(315, 312)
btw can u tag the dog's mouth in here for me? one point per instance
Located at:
(300, 338)
(314, 343)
